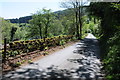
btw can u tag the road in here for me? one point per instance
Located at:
(80, 61)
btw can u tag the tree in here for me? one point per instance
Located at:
(76, 5)
(56, 28)
(109, 14)
(67, 20)
(36, 25)
(6, 27)
(47, 20)
(21, 33)
(40, 23)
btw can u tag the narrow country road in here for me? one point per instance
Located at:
(80, 61)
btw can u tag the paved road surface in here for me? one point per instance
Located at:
(80, 61)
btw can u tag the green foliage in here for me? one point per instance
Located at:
(30, 61)
(108, 13)
(40, 24)
(56, 28)
(21, 33)
(45, 53)
(17, 64)
(13, 53)
(48, 18)
(6, 27)
(36, 28)
(45, 48)
(112, 60)
(62, 42)
(23, 61)
(88, 26)
(116, 5)
(13, 31)
(21, 47)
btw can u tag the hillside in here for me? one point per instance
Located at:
(21, 19)
(26, 19)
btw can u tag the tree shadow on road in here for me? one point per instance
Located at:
(89, 67)
(51, 73)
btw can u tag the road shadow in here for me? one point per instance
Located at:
(89, 66)
(88, 47)
(51, 73)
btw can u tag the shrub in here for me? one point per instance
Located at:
(112, 60)
(18, 47)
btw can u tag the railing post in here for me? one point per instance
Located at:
(5, 47)
(44, 39)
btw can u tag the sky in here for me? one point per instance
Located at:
(10, 9)
(19, 8)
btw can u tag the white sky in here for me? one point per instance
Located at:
(30, 0)
(19, 8)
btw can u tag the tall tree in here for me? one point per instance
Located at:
(80, 16)
(47, 20)
(36, 25)
(76, 5)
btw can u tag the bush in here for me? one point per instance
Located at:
(112, 60)
(18, 47)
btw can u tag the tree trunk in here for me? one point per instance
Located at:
(94, 21)
(13, 30)
(5, 46)
(46, 31)
(80, 22)
(40, 31)
(46, 27)
(76, 16)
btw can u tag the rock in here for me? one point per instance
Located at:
(8, 75)
(92, 75)
(44, 73)
(80, 43)
(100, 78)
(72, 71)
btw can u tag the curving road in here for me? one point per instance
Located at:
(80, 61)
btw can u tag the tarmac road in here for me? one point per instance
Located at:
(80, 61)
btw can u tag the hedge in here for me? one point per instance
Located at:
(21, 47)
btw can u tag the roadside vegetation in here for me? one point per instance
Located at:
(36, 36)
(45, 28)
(109, 35)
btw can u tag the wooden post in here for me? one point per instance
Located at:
(5, 47)
(44, 39)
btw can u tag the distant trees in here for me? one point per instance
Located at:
(14, 20)
(21, 19)
(44, 23)
(25, 19)
(13, 31)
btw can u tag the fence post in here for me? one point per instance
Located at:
(5, 48)
(44, 39)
